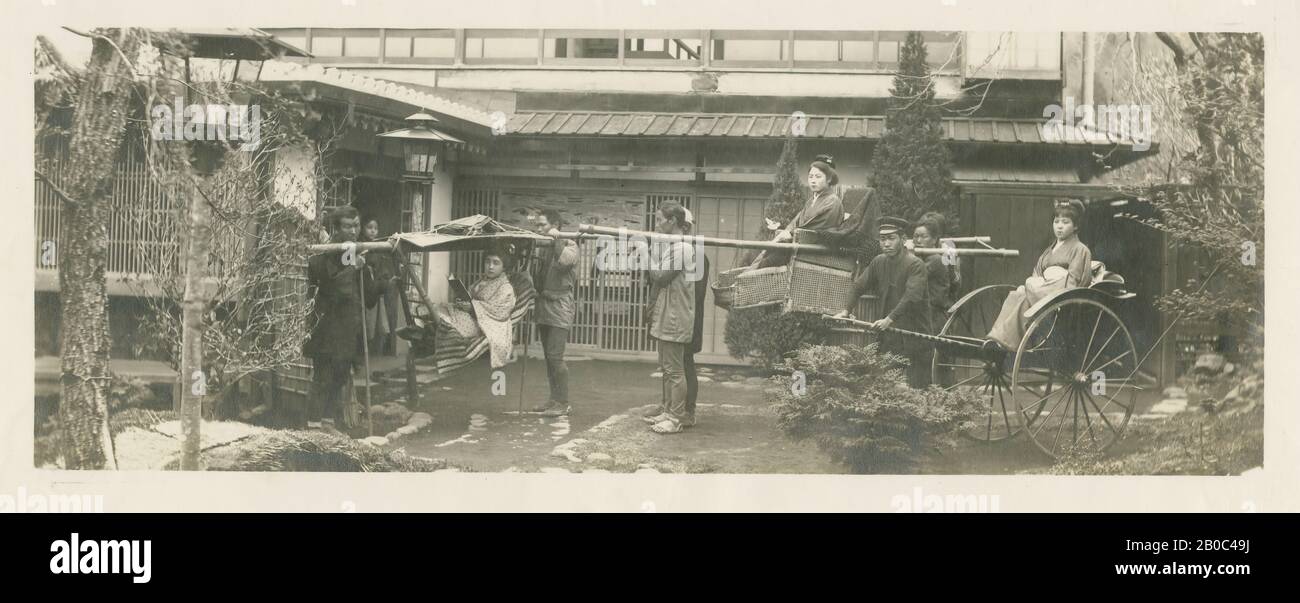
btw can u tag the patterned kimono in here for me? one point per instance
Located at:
(1072, 256)
(493, 300)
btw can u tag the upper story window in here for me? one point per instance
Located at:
(776, 49)
(581, 46)
(436, 46)
(1025, 55)
(663, 47)
(744, 48)
(501, 46)
(293, 37)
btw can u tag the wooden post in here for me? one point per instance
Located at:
(365, 348)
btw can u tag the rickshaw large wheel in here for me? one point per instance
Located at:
(1083, 346)
(970, 320)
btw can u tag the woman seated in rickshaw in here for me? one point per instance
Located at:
(823, 211)
(486, 312)
(1067, 263)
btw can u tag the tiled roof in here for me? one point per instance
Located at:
(283, 71)
(753, 125)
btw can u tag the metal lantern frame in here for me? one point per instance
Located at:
(421, 144)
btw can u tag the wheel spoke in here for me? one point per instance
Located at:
(1088, 349)
(1103, 416)
(1074, 421)
(1042, 401)
(1103, 347)
(1030, 390)
(988, 430)
(1060, 429)
(1110, 362)
(1005, 418)
(1111, 400)
(1053, 411)
(1088, 419)
(964, 381)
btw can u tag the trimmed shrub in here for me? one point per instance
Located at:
(855, 404)
(764, 336)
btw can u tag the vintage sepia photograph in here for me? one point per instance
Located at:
(417, 247)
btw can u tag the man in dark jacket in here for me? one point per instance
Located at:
(334, 281)
(898, 280)
(555, 309)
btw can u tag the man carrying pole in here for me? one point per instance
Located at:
(336, 282)
(555, 308)
(898, 279)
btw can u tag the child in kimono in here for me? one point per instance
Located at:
(1064, 265)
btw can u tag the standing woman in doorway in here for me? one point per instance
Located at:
(381, 320)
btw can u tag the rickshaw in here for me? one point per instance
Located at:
(1075, 370)
(1075, 366)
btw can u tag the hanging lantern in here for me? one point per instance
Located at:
(421, 144)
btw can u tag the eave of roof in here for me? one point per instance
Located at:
(282, 71)
(244, 43)
(588, 124)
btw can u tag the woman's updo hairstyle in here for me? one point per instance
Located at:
(1069, 208)
(826, 165)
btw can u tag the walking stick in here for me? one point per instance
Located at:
(523, 362)
(365, 349)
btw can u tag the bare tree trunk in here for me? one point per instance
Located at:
(192, 327)
(99, 122)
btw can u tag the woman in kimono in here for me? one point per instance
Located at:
(938, 275)
(1064, 265)
(487, 313)
(823, 211)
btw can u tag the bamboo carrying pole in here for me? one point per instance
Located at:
(358, 247)
(588, 231)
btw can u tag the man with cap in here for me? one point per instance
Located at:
(898, 279)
